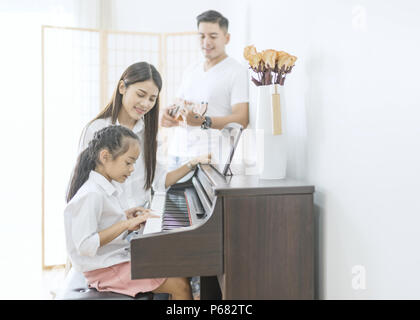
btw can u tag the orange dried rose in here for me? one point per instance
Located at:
(269, 58)
(249, 51)
(282, 60)
(292, 61)
(253, 57)
(280, 57)
(255, 60)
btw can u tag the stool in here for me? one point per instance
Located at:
(76, 288)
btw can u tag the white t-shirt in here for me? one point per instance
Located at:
(222, 86)
(94, 208)
(133, 193)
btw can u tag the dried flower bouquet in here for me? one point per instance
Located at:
(271, 66)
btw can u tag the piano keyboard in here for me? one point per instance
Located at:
(172, 210)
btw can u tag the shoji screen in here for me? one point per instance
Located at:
(179, 51)
(70, 100)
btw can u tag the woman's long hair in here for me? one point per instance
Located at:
(111, 138)
(139, 72)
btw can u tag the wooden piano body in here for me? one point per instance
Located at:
(255, 242)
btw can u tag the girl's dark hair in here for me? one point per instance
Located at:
(139, 72)
(111, 138)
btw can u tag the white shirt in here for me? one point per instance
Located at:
(133, 193)
(222, 86)
(94, 208)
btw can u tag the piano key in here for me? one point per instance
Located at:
(175, 215)
(173, 211)
(176, 205)
(164, 221)
(179, 213)
(176, 209)
(175, 224)
(153, 225)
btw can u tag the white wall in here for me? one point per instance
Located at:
(353, 116)
(352, 113)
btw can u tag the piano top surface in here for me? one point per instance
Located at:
(241, 184)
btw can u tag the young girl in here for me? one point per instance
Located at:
(96, 224)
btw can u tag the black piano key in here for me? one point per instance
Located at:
(176, 204)
(175, 216)
(175, 209)
(179, 213)
(170, 198)
(175, 212)
(170, 221)
(175, 224)
(169, 228)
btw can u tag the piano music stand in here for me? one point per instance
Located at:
(229, 172)
(234, 139)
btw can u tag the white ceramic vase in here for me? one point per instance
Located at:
(270, 132)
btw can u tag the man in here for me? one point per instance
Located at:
(220, 82)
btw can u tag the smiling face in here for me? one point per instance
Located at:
(213, 40)
(120, 168)
(138, 98)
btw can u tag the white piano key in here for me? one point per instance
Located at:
(158, 204)
(153, 225)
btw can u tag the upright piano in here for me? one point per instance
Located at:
(246, 238)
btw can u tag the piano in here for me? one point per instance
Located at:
(246, 238)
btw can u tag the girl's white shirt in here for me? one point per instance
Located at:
(95, 207)
(133, 193)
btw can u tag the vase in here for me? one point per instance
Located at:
(271, 137)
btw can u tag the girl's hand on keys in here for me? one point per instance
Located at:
(135, 222)
(133, 212)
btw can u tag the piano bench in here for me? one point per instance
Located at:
(76, 288)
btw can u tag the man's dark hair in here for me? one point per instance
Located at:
(214, 17)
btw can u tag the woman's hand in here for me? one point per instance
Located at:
(135, 222)
(203, 159)
(173, 176)
(167, 120)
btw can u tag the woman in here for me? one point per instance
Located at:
(135, 105)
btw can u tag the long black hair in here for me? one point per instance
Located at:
(139, 72)
(111, 138)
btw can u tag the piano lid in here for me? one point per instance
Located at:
(252, 185)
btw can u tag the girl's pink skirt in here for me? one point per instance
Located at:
(117, 278)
